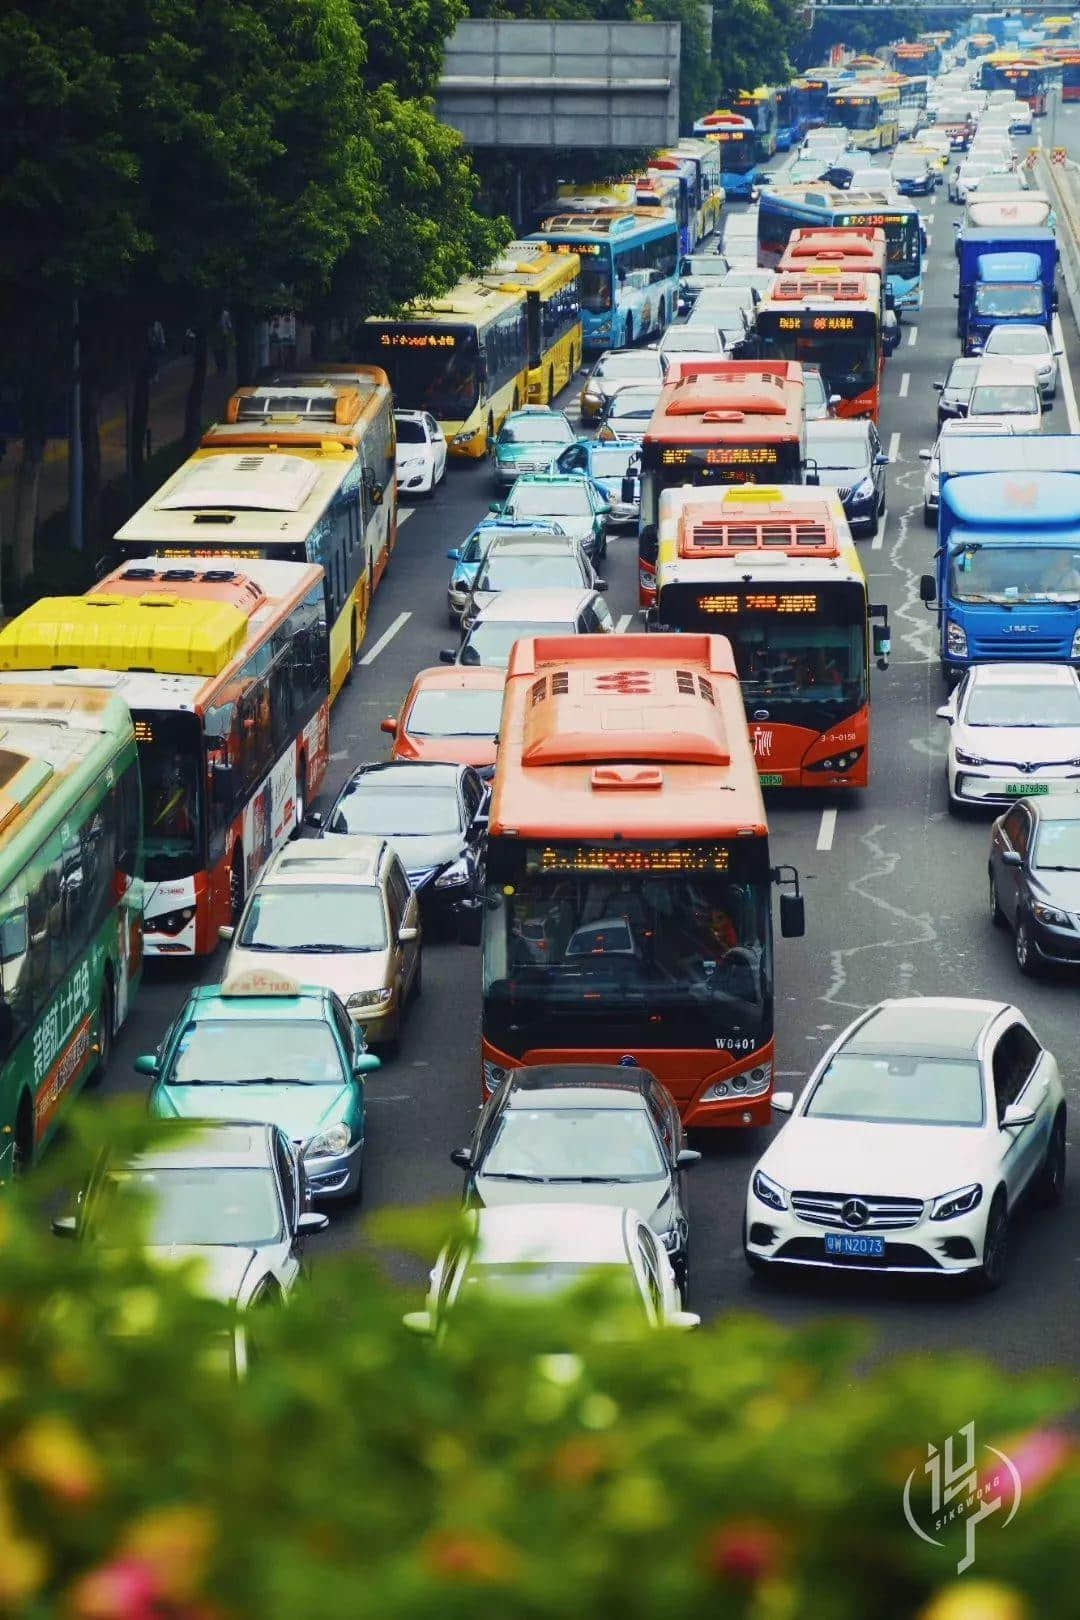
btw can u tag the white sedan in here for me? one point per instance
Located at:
(1014, 729)
(1030, 344)
(954, 427)
(421, 452)
(914, 1140)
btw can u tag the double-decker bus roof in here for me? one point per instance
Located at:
(783, 533)
(199, 622)
(742, 400)
(635, 737)
(49, 734)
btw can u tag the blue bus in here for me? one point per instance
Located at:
(1007, 584)
(671, 181)
(788, 208)
(792, 120)
(735, 139)
(629, 270)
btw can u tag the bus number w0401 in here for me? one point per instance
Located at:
(734, 1043)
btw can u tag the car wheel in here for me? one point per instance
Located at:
(1024, 947)
(1050, 1182)
(629, 331)
(995, 1254)
(997, 916)
(682, 1276)
(22, 1153)
(105, 1036)
(418, 978)
(881, 503)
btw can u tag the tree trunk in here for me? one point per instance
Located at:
(91, 447)
(138, 427)
(193, 405)
(244, 327)
(27, 483)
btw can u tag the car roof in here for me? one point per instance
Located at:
(587, 1085)
(458, 678)
(311, 999)
(528, 545)
(550, 478)
(537, 605)
(950, 1026)
(410, 416)
(1023, 675)
(351, 859)
(965, 365)
(590, 1234)
(1055, 808)
(437, 770)
(1005, 369)
(237, 1144)
(832, 427)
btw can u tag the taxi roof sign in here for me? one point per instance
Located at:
(260, 982)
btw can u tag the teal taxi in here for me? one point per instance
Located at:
(262, 1047)
(527, 441)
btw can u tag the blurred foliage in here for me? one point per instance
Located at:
(533, 1464)
(868, 29)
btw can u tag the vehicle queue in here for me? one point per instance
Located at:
(550, 792)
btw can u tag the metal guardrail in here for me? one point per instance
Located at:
(1061, 183)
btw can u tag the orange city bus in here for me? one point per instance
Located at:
(718, 422)
(227, 677)
(861, 249)
(628, 914)
(776, 572)
(833, 320)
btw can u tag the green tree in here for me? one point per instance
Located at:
(753, 41)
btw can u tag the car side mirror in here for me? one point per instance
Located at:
(312, 1220)
(147, 1063)
(599, 584)
(945, 713)
(783, 1102)
(408, 936)
(792, 916)
(1017, 1114)
(447, 655)
(366, 1063)
(495, 507)
(881, 459)
(927, 589)
(926, 455)
(684, 1320)
(938, 386)
(454, 554)
(834, 400)
(462, 1157)
(225, 933)
(314, 818)
(1011, 857)
(419, 1322)
(389, 725)
(64, 1226)
(686, 1157)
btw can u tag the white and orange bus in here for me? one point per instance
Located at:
(628, 913)
(226, 674)
(831, 319)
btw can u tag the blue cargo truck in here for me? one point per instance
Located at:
(1006, 586)
(1006, 275)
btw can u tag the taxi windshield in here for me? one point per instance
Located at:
(256, 1051)
(316, 918)
(189, 1206)
(455, 713)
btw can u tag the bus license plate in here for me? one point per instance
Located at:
(771, 781)
(852, 1245)
(1016, 790)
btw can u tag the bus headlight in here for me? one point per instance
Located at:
(466, 436)
(837, 762)
(1075, 645)
(750, 1083)
(956, 640)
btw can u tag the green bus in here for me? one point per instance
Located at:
(70, 899)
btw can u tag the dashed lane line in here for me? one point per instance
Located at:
(623, 624)
(387, 636)
(913, 337)
(905, 384)
(827, 830)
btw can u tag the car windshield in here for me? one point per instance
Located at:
(1004, 399)
(536, 430)
(550, 500)
(627, 363)
(633, 402)
(314, 918)
(840, 454)
(1015, 573)
(574, 1144)
(410, 432)
(1003, 298)
(816, 400)
(612, 463)
(398, 804)
(1023, 705)
(897, 1089)
(1057, 846)
(705, 267)
(961, 376)
(1017, 340)
(539, 1280)
(189, 1205)
(690, 340)
(525, 571)
(491, 641)
(908, 168)
(456, 713)
(256, 1051)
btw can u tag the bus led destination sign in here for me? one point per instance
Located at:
(724, 455)
(586, 858)
(808, 322)
(417, 340)
(759, 602)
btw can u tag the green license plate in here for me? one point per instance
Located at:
(1018, 790)
(771, 781)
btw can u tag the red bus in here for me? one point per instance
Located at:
(227, 677)
(628, 914)
(718, 422)
(833, 320)
(861, 249)
(777, 572)
(1068, 59)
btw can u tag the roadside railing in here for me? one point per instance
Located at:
(1061, 183)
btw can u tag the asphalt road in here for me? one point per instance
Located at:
(895, 906)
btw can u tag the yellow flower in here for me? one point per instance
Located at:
(55, 1456)
(174, 1543)
(976, 1600)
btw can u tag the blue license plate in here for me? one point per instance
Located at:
(853, 1246)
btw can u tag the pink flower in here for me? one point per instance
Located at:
(747, 1550)
(123, 1590)
(1037, 1456)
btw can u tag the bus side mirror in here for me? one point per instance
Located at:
(927, 589)
(882, 645)
(221, 782)
(447, 655)
(792, 916)
(627, 491)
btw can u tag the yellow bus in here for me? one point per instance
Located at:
(869, 111)
(551, 283)
(463, 357)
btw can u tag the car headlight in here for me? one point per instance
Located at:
(494, 1075)
(864, 489)
(968, 759)
(768, 1191)
(934, 478)
(334, 1140)
(837, 762)
(750, 1083)
(361, 999)
(956, 640)
(454, 877)
(959, 1202)
(1051, 914)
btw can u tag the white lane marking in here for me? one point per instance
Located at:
(623, 624)
(912, 337)
(404, 514)
(929, 238)
(827, 829)
(1066, 377)
(894, 444)
(386, 637)
(905, 384)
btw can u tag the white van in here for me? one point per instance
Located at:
(1007, 391)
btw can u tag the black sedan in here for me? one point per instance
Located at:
(847, 456)
(435, 817)
(1034, 879)
(588, 1133)
(955, 392)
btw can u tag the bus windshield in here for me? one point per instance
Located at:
(170, 761)
(1020, 573)
(595, 280)
(848, 361)
(856, 112)
(431, 367)
(646, 940)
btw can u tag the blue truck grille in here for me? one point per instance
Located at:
(1012, 647)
